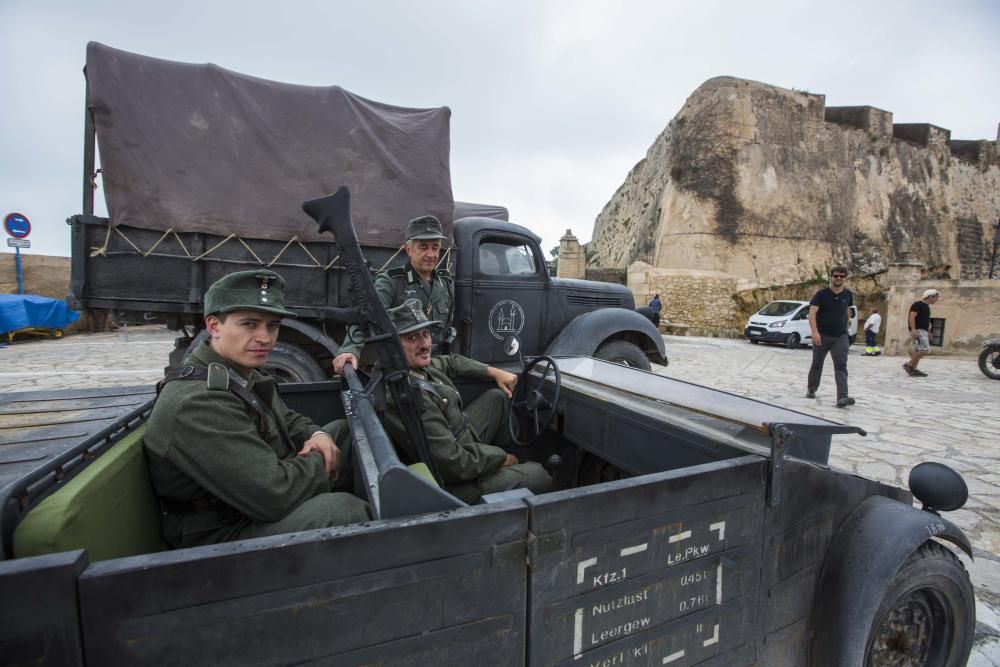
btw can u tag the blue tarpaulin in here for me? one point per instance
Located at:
(28, 311)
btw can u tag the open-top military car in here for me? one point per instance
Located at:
(690, 527)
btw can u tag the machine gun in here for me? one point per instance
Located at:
(333, 213)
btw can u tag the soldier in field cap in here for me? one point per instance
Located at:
(467, 445)
(420, 279)
(227, 459)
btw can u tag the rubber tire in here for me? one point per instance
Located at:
(793, 341)
(987, 365)
(290, 363)
(754, 341)
(932, 583)
(624, 353)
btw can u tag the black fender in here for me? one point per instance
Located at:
(585, 333)
(314, 334)
(865, 555)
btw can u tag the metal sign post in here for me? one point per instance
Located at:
(18, 227)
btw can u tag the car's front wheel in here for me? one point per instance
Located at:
(927, 617)
(624, 353)
(792, 341)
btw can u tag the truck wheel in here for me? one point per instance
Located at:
(928, 616)
(989, 362)
(290, 363)
(792, 342)
(624, 353)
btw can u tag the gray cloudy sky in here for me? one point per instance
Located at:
(552, 102)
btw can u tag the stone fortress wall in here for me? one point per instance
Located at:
(772, 188)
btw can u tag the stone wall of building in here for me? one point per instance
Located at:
(700, 301)
(772, 187)
(970, 309)
(44, 275)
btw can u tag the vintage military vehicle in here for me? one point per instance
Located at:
(689, 527)
(203, 171)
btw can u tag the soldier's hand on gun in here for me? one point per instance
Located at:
(324, 444)
(511, 460)
(342, 360)
(506, 381)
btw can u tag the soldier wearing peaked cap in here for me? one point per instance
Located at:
(227, 459)
(420, 279)
(467, 445)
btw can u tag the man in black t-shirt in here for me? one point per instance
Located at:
(829, 316)
(919, 321)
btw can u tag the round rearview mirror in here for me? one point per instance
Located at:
(938, 487)
(511, 345)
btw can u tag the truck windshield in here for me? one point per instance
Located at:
(500, 257)
(778, 308)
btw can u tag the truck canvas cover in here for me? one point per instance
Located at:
(197, 148)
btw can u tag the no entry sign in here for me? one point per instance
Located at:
(17, 225)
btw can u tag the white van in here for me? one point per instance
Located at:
(787, 323)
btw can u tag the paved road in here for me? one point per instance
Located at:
(950, 416)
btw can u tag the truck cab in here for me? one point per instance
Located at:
(503, 288)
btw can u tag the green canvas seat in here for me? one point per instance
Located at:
(423, 472)
(109, 509)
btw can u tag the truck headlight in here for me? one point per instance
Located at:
(777, 325)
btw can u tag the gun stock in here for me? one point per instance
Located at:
(333, 213)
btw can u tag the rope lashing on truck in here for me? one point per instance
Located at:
(165, 234)
(295, 239)
(225, 240)
(104, 251)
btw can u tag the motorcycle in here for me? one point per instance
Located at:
(989, 358)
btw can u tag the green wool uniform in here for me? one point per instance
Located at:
(401, 284)
(457, 439)
(223, 474)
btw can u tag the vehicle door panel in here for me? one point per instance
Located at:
(508, 296)
(437, 589)
(39, 619)
(658, 569)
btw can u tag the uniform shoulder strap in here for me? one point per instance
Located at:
(396, 272)
(219, 378)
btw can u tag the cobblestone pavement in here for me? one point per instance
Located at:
(950, 416)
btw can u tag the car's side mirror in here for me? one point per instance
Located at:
(511, 345)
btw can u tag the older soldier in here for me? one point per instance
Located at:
(227, 458)
(466, 445)
(419, 280)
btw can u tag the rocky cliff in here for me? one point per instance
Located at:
(773, 187)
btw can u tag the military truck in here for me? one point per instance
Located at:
(204, 171)
(689, 526)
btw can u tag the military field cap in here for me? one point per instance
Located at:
(931, 292)
(248, 290)
(424, 228)
(410, 317)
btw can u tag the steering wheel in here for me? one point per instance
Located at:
(540, 410)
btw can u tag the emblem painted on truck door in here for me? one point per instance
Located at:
(506, 319)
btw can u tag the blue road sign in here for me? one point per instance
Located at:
(17, 225)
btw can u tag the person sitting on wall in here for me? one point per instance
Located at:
(227, 459)
(467, 446)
